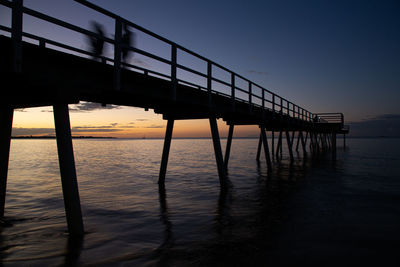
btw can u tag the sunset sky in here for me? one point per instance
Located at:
(326, 56)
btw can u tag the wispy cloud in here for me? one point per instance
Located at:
(16, 131)
(90, 106)
(94, 130)
(263, 73)
(154, 126)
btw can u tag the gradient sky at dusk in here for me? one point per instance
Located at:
(326, 56)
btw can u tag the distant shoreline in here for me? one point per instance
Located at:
(339, 136)
(53, 137)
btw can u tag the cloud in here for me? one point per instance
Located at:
(141, 120)
(381, 125)
(16, 131)
(154, 126)
(90, 106)
(263, 73)
(101, 129)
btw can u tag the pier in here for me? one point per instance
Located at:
(46, 72)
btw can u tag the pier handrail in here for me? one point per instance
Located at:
(265, 99)
(330, 118)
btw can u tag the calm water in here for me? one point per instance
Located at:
(315, 212)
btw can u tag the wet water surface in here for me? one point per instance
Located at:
(315, 211)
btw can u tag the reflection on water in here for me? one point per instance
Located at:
(283, 216)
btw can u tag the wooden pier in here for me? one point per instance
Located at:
(36, 75)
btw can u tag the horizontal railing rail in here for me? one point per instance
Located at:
(329, 118)
(265, 98)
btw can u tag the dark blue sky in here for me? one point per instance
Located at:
(324, 55)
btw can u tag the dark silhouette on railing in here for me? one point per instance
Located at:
(42, 76)
(97, 42)
(126, 43)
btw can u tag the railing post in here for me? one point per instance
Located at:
(288, 110)
(263, 98)
(174, 79)
(42, 43)
(209, 82)
(16, 34)
(117, 54)
(250, 95)
(281, 106)
(273, 103)
(233, 89)
(342, 119)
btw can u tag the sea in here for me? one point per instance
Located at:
(314, 211)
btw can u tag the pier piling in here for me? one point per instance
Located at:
(259, 148)
(6, 118)
(266, 149)
(228, 146)
(218, 151)
(165, 154)
(334, 146)
(289, 143)
(67, 170)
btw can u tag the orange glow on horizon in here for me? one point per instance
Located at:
(120, 123)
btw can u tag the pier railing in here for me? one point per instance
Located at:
(252, 93)
(337, 118)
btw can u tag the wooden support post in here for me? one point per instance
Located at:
(6, 118)
(344, 141)
(289, 143)
(165, 155)
(303, 144)
(316, 142)
(292, 139)
(16, 34)
(305, 139)
(259, 148)
(312, 145)
(328, 141)
(273, 144)
(228, 146)
(279, 145)
(117, 54)
(334, 146)
(174, 79)
(218, 151)
(266, 149)
(67, 169)
(321, 141)
(298, 140)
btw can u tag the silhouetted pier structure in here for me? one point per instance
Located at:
(36, 75)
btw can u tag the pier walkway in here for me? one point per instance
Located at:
(38, 71)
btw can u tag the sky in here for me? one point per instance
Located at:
(326, 56)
